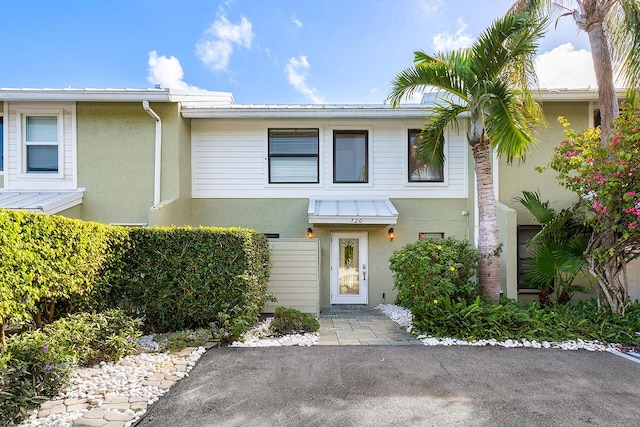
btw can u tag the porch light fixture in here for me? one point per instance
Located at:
(390, 234)
(309, 232)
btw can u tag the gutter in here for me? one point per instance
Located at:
(158, 152)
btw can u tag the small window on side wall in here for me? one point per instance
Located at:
(418, 171)
(423, 235)
(41, 145)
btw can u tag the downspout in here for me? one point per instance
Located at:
(158, 153)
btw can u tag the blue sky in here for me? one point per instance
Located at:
(275, 51)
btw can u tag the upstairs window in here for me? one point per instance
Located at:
(350, 156)
(41, 144)
(418, 171)
(293, 156)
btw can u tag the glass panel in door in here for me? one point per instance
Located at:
(349, 273)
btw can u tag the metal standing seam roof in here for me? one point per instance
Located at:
(352, 211)
(49, 202)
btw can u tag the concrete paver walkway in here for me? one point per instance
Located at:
(360, 325)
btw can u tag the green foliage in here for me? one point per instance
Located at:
(288, 320)
(426, 270)
(37, 364)
(46, 260)
(175, 341)
(183, 278)
(607, 178)
(511, 320)
(557, 251)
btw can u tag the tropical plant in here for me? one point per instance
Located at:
(607, 178)
(613, 28)
(490, 81)
(557, 251)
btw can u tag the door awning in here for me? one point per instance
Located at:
(352, 211)
(49, 202)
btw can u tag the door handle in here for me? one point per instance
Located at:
(364, 275)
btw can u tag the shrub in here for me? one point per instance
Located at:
(31, 371)
(508, 320)
(426, 270)
(46, 260)
(291, 321)
(37, 364)
(184, 278)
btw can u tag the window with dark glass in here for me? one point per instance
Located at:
(293, 156)
(350, 156)
(418, 171)
(41, 141)
(525, 233)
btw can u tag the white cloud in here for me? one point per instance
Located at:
(429, 7)
(296, 21)
(216, 46)
(297, 70)
(166, 72)
(444, 42)
(565, 67)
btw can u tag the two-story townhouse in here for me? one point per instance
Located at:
(346, 175)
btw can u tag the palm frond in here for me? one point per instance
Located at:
(541, 211)
(623, 23)
(430, 143)
(506, 122)
(511, 41)
(428, 72)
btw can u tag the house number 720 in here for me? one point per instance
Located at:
(356, 220)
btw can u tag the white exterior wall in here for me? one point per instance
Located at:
(15, 176)
(633, 279)
(230, 160)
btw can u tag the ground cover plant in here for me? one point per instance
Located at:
(433, 279)
(37, 363)
(288, 320)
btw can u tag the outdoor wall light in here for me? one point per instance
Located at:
(309, 232)
(391, 234)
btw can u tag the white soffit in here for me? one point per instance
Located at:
(49, 202)
(352, 211)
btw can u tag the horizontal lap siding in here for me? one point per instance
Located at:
(17, 179)
(229, 159)
(295, 275)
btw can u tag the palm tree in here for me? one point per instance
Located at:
(490, 82)
(613, 28)
(557, 250)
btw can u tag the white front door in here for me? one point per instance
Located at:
(349, 268)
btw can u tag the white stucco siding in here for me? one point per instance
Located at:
(230, 160)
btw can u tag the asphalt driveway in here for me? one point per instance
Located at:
(402, 386)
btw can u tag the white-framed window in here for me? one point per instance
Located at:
(418, 171)
(351, 156)
(41, 136)
(294, 156)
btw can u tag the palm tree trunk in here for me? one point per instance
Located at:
(592, 22)
(488, 244)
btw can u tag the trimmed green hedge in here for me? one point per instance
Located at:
(47, 259)
(184, 278)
